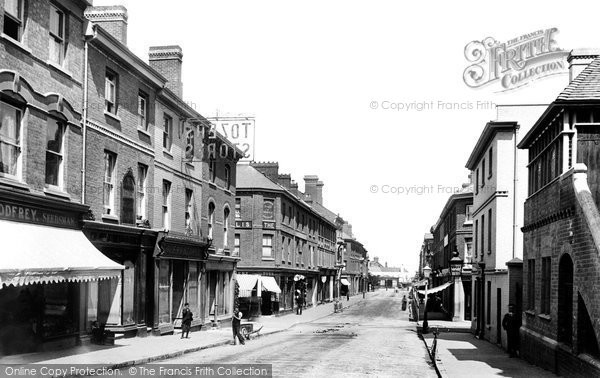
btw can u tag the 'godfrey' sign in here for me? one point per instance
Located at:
(31, 215)
(515, 63)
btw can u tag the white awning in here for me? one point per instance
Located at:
(247, 283)
(344, 281)
(269, 284)
(434, 290)
(41, 254)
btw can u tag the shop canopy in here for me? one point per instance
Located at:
(345, 282)
(247, 283)
(434, 290)
(42, 254)
(269, 284)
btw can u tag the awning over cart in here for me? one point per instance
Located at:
(32, 254)
(269, 284)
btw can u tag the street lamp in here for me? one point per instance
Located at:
(426, 273)
(456, 264)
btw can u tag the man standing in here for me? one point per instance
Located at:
(186, 321)
(235, 326)
(511, 324)
(298, 302)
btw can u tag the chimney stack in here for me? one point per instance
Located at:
(294, 188)
(376, 260)
(167, 60)
(579, 59)
(314, 188)
(285, 180)
(112, 18)
(267, 168)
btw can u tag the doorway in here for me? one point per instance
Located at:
(499, 315)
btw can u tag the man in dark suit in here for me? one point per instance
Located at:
(186, 321)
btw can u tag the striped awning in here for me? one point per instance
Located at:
(247, 283)
(33, 254)
(436, 289)
(269, 284)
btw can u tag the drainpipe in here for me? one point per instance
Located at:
(90, 33)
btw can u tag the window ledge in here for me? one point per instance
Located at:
(145, 132)
(268, 259)
(168, 153)
(13, 182)
(16, 43)
(530, 312)
(212, 185)
(113, 116)
(57, 192)
(109, 218)
(545, 317)
(59, 68)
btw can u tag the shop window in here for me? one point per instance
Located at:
(167, 132)
(10, 140)
(110, 160)
(166, 205)
(57, 35)
(13, 19)
(128, 293)
(192, 292)
(110, 92)
(128, 194)
(141, 191)
(164, 288)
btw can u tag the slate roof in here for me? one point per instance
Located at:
(248, 177)
(586, 86)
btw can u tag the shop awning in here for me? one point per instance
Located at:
(42, 254)
(269, 284)
(434, 290)
(344, 282)
(247, 283)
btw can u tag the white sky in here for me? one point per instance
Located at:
(308, 71)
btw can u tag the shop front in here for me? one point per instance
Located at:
(179, 269)
(219, 288)
(46, 267)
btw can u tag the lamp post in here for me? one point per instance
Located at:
(426, 273)
(456, 264)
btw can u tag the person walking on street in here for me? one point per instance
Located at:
(348, 295)
(186, 321)
(235, 326)
(298, 302)
(511, 324)
(404, 303)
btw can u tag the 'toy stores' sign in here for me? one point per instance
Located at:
(20, 213)
(515, 63)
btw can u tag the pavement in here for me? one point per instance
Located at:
(460, 354)
(134, 351)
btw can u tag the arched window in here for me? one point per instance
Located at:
(225, 226)
(211, 219)
(128, 194)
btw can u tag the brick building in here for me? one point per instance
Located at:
(159, 182)
(453, 233)
(47, 264)
(355, 271)
(280, 235)
(561, 291)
